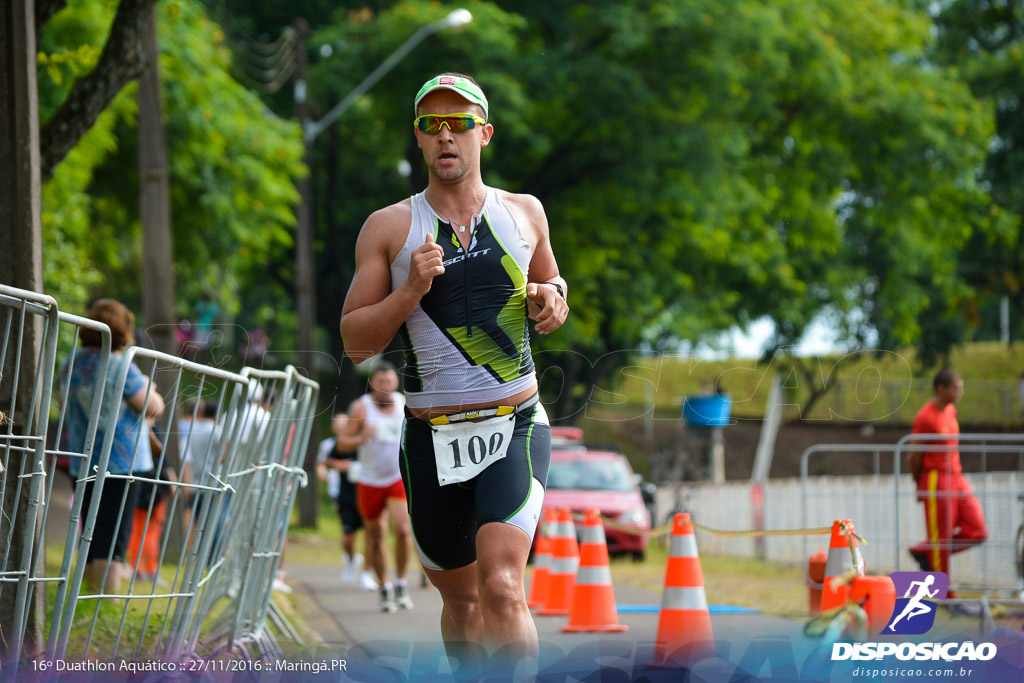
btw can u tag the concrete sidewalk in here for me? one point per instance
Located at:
(348, 621)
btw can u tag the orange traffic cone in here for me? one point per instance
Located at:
(879, 597)
(542, 562)
(565, 560)
(684, 624)
(833, 593)
(593, 599)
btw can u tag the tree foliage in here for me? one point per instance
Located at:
(703, 164)
(984, 41)
(233, 164)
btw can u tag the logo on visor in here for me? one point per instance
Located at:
(914, 613)
(446, 80)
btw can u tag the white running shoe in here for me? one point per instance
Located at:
(402, 598)
(367, 582)
(387, 603)
(352, 568)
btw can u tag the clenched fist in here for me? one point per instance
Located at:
(424, 265)
(546, 307)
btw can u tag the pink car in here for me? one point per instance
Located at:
(582, 479)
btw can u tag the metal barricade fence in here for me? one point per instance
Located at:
(22, 451)
(264, 492)
(217, 538)
(886, 511)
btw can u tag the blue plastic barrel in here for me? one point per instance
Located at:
(707, 411)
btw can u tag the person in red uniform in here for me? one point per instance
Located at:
(952, 514)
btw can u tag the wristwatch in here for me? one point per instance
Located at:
(561, 292)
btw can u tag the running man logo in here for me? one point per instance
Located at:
(914, 613)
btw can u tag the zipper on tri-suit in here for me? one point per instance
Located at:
(465, 270)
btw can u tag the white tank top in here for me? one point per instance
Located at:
(467, 341)
(378, 457)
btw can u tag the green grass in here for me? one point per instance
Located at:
(889, 388)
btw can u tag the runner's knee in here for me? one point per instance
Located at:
(501, 588)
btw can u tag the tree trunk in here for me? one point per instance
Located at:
(121, 62)
(21, 265)
(155, 201)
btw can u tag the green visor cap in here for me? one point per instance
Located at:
(463, 86)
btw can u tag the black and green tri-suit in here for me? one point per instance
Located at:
(466, 343)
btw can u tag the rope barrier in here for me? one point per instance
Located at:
(667, 528)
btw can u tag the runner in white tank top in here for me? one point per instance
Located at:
(378, 457)
(375, 429)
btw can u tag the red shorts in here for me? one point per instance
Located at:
(371, 499)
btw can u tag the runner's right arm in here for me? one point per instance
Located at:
(373, 314)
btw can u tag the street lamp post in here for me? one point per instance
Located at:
(305, 257)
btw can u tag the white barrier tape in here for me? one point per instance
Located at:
(40, 473)
(683, 546)
(210, 572)
(303, 479)
(226, 486)
(684, 598)
(594, 576)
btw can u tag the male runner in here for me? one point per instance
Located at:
(456, 270)
(375, 429)
(952, 514)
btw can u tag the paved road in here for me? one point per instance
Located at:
(408, 644)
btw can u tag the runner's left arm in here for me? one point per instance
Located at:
(544, 270)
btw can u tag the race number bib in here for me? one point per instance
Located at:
(465, 449)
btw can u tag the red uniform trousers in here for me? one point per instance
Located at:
(952, 516)
(150, 546)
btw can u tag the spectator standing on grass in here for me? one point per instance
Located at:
(130, 449)
(952, 514)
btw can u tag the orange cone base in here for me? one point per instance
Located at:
(593, 609)
(560, 588)
(684, 635)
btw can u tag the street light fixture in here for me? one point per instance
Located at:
(455, 18)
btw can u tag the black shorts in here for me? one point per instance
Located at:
(351, 522)
(103, 537)
(445, 518)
